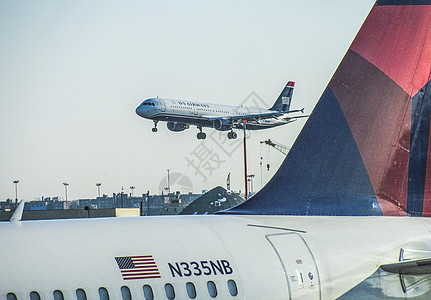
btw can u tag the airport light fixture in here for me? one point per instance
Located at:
(245, 160)
(98, 188)
(16, 192)
(65, 191)
(169, 183)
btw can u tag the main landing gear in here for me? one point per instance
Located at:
(201, 135)
(154, 129)
(232, 135)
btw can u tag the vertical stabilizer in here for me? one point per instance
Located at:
(366, 148)
(17, 215)
(284, 100)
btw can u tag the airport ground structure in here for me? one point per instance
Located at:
(104, 206)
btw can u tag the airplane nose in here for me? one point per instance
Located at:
(140, 111)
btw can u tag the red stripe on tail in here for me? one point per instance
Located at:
(387, 28)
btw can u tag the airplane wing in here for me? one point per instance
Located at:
(266, 115)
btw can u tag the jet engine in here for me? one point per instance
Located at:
(222, 124)
(174, 126)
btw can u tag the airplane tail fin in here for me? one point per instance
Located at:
(366, 148)
(285, 98)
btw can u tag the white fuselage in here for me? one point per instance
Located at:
(267, 257)
(203, 114)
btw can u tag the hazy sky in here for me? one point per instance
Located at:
(73, 72)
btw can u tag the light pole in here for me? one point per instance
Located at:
(244, 123)
(169, 184)
(65, 191)
(122, 201)
(98, 188)
(16, 192)
(132, 188)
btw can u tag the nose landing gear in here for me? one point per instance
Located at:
(154, 129)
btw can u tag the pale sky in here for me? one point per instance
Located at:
(73, 72)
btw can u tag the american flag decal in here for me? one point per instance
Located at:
(138, 267)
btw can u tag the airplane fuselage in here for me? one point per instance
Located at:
(203, 114)
(213, 257)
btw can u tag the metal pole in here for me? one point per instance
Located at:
(65, 191)
(122, 201)
(16, 192)
(245, 161)
(169, 184)
(98, 188)
(148, 203)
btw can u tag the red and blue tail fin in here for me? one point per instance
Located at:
(366, 148)
(284, 100)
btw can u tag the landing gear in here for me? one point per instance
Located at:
(154, 129)
(232, 135)
(201, 135)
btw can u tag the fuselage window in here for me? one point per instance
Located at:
(148, 292)
(11, 296)
(58, 295)
(233, 289)
(103, 294)
(191, 290)
(169, 290)
(34, 296)
(125, 293)
(212, 289)
(80, 294)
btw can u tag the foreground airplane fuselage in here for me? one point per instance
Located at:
(211, 257)
(361, 165)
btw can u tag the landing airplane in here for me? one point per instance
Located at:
(350, 222)
(181, 114)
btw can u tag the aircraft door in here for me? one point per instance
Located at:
(162, 105)
(298, 264)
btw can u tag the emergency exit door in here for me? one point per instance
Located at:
(298, 264)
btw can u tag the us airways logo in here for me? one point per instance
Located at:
(138, 267)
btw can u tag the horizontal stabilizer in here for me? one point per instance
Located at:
(410, 267)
